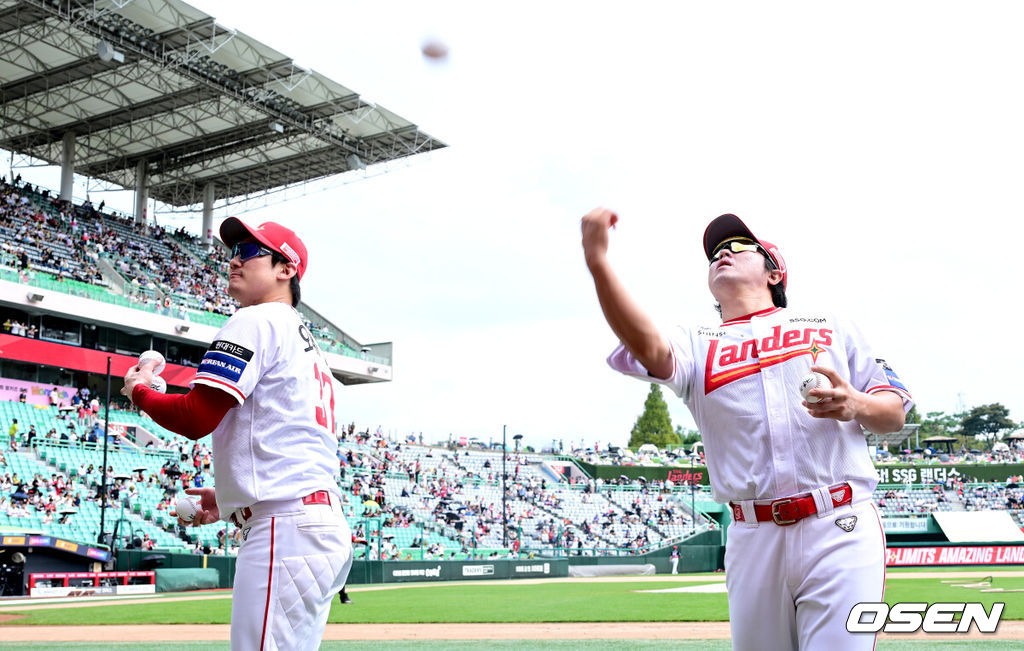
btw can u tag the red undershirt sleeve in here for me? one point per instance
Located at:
(193, 415)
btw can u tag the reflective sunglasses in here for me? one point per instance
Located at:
(738, 246)
(249, 250)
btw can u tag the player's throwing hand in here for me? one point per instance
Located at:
(595, 227)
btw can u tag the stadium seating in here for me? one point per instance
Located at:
(78, 250)
(407, 501)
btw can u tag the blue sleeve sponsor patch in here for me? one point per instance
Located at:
(225, 366)
(890, 374)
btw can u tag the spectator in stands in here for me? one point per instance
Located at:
(13, 433)
(31, 435)
(22, 397)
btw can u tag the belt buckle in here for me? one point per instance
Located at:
(775, 512)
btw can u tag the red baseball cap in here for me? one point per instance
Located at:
(271, 235)
(728, 226)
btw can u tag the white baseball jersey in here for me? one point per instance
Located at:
(276, 455)
(789, 587)
(279, 442)
(741, 381)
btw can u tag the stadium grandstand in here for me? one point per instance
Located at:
(160, 98)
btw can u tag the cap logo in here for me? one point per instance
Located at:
(290, 252)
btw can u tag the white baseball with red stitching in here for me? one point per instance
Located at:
(158, 384)
(186, 509)
(813, 381)
(153, 356)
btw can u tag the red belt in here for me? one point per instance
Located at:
(316, 497)
(789, 510)
(319, 497)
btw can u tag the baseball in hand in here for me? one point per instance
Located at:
(813, 381)
(158, 384)
(153, 356)
(186, 509)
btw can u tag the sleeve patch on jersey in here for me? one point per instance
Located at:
(894, 379)
(225, 366)
(241, 352)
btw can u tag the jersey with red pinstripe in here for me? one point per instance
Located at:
(279, 442)
(740, 380)
(789, 587)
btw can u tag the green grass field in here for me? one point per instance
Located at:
(578, 601)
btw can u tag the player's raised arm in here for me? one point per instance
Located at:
(627, 320)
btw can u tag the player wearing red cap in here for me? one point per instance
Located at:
(264, 391)
(806, 542)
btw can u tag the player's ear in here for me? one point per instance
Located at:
(774, 277)
(286, 271)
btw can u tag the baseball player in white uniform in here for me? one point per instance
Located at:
(264, 390)
(806, 542)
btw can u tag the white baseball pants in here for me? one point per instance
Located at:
(295, 557)
(793, 587)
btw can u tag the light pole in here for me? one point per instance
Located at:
(103, 470)
(504, 515)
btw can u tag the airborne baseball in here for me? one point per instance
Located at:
(813, 381)
(186, 509)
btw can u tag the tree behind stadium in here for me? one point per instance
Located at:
(654, 425)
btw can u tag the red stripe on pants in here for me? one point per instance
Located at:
(270, 582)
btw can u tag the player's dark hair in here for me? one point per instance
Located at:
(777, 290)
(293, 283)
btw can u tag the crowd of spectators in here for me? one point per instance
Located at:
(40, 231)
(167, 271)
(20, 497)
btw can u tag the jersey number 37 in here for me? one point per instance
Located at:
(325, 409)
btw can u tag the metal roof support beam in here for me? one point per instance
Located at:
(18, 17)
(209, 191)
(170, 102)
(67, 166)
(196, 102)
(141, 192)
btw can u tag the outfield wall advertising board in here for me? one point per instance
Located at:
(92, 591)
(888, 473)
(403, 571)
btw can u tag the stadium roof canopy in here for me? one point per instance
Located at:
(159, 83)
(893, 438)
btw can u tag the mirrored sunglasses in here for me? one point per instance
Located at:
(739, 246)
(249, 250)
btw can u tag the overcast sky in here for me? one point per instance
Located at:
(879, 144)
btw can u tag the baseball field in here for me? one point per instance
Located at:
(686, 611)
